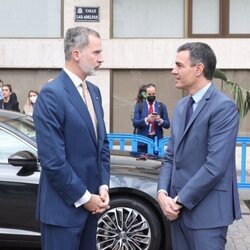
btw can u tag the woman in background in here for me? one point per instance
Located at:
(28, 106)
(9, 101)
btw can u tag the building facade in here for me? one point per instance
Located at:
(140, 38)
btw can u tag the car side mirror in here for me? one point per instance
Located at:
(26, 160)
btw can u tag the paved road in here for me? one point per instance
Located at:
(239, 233)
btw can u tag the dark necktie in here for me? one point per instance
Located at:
(189, 110)
(152, 124)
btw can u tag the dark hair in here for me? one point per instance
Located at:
(150, 85)
(9, 86)
(139, 98)
(32, 91)
(201, 53)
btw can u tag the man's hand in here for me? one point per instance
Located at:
(168, 206)
(158, 118)
(96, 204)
(178, 205)
(151, 118)
(104, 195)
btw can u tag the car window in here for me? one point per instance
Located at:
(10, 144)
(24, 125)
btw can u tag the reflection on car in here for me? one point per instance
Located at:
(134, 220)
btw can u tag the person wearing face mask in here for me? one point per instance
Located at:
(29, 105)
(150, 117)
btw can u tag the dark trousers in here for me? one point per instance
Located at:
(196, 239)
(82, 237)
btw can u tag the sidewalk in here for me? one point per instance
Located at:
(238, 237)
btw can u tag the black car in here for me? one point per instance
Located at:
(134, 220)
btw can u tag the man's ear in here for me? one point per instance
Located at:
(199, 69)
(75, 54)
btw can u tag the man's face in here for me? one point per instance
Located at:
(184, 73)
(90, 57)
(150, 91)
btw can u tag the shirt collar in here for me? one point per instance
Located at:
(74, 78)
(198, 96)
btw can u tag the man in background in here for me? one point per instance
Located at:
(150, 117)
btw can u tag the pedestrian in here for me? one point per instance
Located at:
(29, 105)
(150, 117)
(73, 148)
(9, 101)
(197, 187)
(141, 96)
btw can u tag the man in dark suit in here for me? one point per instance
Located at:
(150, 117)
(197, 187)
(73, 148)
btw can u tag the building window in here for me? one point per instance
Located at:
(239, 17)
(218, 18)
(146, 19)
(30, 18)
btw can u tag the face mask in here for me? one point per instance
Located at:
(33, 99)
(151, 98)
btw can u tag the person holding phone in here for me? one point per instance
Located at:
(150, 118)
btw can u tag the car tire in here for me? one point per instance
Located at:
(130, 223)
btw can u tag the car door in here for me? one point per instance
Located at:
(17, 192)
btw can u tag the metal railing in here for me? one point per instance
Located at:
(243, 142)
(130, 142)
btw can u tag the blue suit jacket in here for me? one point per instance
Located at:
(200, 161)
(139, 119)
(71, 157)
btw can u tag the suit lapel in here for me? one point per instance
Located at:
(200, 106)
(157, 107)
(77, 101)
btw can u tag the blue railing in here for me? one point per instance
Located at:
(122, 139)
(130, 142)
(243, 142)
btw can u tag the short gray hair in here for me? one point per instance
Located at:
(77, 38)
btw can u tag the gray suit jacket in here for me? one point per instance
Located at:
(200, 161)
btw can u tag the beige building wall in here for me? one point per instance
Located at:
(128, 62)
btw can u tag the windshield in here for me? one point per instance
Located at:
(24, 125)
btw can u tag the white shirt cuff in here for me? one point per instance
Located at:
(104, 187)
(84, 199)
(163, 191)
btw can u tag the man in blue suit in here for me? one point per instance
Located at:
(197, 187)
(73, 148)
(150, 117)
